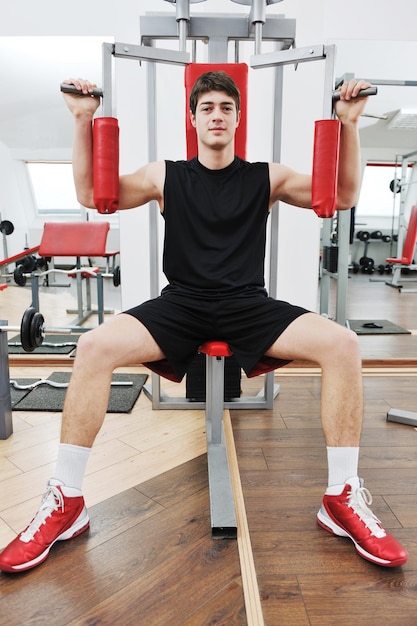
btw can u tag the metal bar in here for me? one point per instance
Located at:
(410, 154)
(155, 393)
(270, 391)
(402, 417)
(287, 57)
(34, 283)
(342, 265)
(100, 298)
(147, 53)
(161, 26)
(370, 91)
(392, 83)
(6, 423)
(164, 402)
(107, 101)
(276, 157)
(217, 49)
(152, 156)
(222, 508)
(215, 395)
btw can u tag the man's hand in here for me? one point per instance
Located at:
(349, 107)
(83, 105)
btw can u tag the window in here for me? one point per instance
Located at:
(53, 188)
(376, 197)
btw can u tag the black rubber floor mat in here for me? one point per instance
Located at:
(376, 327)
(47, 398)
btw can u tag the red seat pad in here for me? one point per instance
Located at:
(265, 364)
(215, 348)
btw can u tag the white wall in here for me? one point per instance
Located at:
(317, 22)
(14, 193)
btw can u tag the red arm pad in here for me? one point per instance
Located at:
(325, 167)
(106, 164)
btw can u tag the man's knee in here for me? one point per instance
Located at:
(345, 346)
(89, 347)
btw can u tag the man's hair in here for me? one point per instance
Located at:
(214, 81)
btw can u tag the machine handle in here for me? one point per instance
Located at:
(370, 91)
(96, 93)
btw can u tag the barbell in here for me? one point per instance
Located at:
(32, 329)
(52, 383)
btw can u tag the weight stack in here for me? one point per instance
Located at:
(195, 384)
(330, 258)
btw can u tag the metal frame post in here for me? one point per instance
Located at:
(343, 217)
(222, 508)
(6, 423)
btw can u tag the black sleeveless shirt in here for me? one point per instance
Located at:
(215, 226)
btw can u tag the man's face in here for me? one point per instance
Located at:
(215, 119)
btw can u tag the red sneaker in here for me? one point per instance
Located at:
(62, 515)
(347, 515)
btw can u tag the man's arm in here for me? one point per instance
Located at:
(348, 110)
(295, 188)
(135, 189)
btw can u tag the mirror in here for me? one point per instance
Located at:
(36, 126)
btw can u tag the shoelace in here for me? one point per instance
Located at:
(359, 501)
(52, 501)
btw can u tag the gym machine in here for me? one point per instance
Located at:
(406, 232)
(217, 32)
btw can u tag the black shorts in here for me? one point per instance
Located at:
(249, 321)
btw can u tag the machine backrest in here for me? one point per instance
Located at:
(410, 238)
(239, 73)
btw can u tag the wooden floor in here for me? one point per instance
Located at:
(149, 558)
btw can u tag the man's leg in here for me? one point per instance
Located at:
(122, 341)
(344, 510)
(62, 515)
(312, 337)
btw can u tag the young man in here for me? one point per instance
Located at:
(215, 209)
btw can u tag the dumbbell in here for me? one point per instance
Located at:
(25, 266)
(32, 329)
(377, 234)
(367, 265)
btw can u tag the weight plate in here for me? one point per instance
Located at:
(28, 263)
(6, 227)
(395, 185)
(19, 276)
(36, 330)
(25, 330)
(116, 276)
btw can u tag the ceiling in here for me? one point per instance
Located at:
(33, 115)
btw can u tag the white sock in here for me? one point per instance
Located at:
(71, 464)
(342, 464)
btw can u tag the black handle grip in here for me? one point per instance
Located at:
(370, 91)
(96, 93)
